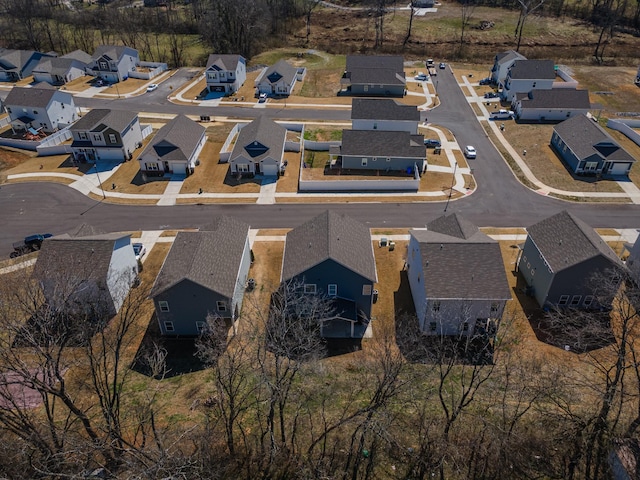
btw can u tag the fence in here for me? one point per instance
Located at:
(225, 152)
(568, 81)
(54, 150)
(408, 185)
(626, 127)
(146, 131)
(155, 69)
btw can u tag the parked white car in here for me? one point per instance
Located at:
(469, 151)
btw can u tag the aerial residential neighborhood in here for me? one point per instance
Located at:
(319, 240)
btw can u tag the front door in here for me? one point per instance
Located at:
(166, 167)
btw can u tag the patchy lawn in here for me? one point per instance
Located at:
(615, 84)
(289, 181)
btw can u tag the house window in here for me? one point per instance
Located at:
(494, 308)
(332, 290)
(200, 326)
(97, 137)
(465, 327)
(575, 300)
(436, 306)
(82, 136)
(112, 138)
(432, 326)
(163, 305)
(151, 166)
(366, 290)
(564, 299)
(168, 327)
(104, 65)
(242, 167)
(221, 306)
(588, 300)
(375, 126)
(366, 88)
(310, 288)
(591, 166)
(364, 162)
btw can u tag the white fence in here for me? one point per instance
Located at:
(626, 126)
(57, 138)
(155, 69)
(19, 143)
(320, 146)
(408, 185)
(54, 150)
(568, 81)
(146, 131)
(225, 151)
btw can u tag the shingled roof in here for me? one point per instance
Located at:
(282, 69)
(564, 241)
(209, 258)
(113, 52)
(533, 70)
(329, 236)
(263, 133)
(100, 119)
(224, 62)
(375, 69)
(461, 262)
(39, 96)
(176, 140)
(379, 143)
(383, 109)
(556, 98)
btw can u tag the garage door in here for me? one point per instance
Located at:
(269, 170)
(619, 169)
(180, 168)
(218, 88)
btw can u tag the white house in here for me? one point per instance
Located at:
(259, 148)
(527, 75)
(40, 108)
(61, 70)
(553, 105)
(457, 278)
(106, 135)
(113, 63)
(384, 114)
(175, 148)
(225, 73)
(501, 65)
(279, 79)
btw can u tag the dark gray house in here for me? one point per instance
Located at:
(384, 114)
(204, 274)
(554, 105)
(588, 149)
(560, 262)
(113, 63)
(332, 255)
(259, 148)
(374, 75)
(457, 278)
(380, 150)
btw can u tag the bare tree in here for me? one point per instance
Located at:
(308, 6)
(527, 7)
(467, 7)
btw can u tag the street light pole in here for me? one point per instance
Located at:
(95, 164)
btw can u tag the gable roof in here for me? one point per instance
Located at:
(79, 55)
(39, 96)
(564, 241)
(113, 52)
(533, 70)
(508, 56)
(585, 138)
(383, 109)
(461, 262)
(332, 236)
(379, 143)
(99, 119)
(375, 69)
(176, 140)
(61, 65)
(265, 135)
(282, 69)
(555, 98)
(224, 62)
(16, 60)
(208, 258)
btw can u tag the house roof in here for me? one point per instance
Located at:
(99, 119)
(509, 55)
(383, 109)
(176, 140)
(15, 60)
(282, 69)
(86, 230)
(61, 65)
(263, 137)
(224, 62)
(556, 98)
(533, 70)
(378, 143)
(62, 257)
(375, 69)
(460, 262)
(585, 138)
(564, 241)
(113, 52)
(209, 258)
(329, 236)
(39, 96)
(79, 55)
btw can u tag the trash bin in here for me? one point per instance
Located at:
(392, 246)
(375, 295)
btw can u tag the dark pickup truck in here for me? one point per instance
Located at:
(32, 243)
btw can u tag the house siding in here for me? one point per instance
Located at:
(60, 113)
(381, 163)
(452, 314)
(229, 81)
(535, 271)
(378, 90)
(122, 271)
(415, 271)
(241, 280)
(576, 165)
(385, 125)
(188, 303)
(513, 86)
(546, 114)
(579, 281)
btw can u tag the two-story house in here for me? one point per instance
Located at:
(106, 135)
(225, 73)
(553, 105)
(457, 278)
(332, 255)
(112, 63)
(527, 75)
(384, 114)
(61, 70)
(41, 108)
(278, 79)
(18, 64)
(374, 75)
(501, 64)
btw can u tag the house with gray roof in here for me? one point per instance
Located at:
(554, 105)
(277, 80)
(175, 148)
(87, 275)
(457, 278)
(259, 148)
(41, 108)
(225, 73)
(564, 260)
(204, 274)
(380, 150)
(106, 135)
(502, 63)
(587, 149)
(18, 64)
(527, 75)
(332, 255)
(374, 75)
(61, 70)
(633, 260)
(113, 63)
(384, 114)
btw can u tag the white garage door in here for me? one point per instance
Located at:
(269, 170)
(619, 169)
(180, 168)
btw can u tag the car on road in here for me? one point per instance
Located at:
(432, 143)
(152, 87)
(262, 98)
(139, 249)
(442, 65)
(469, 151)
(420, 76)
